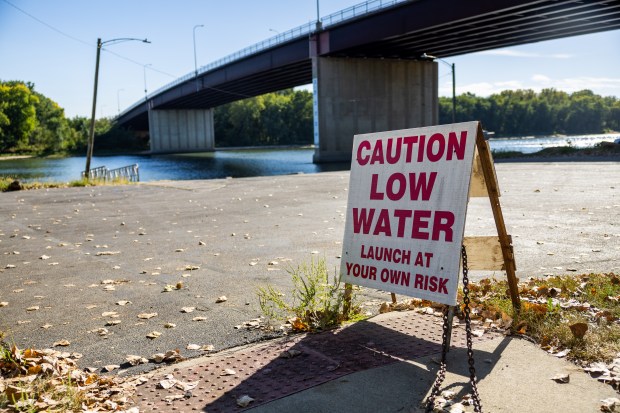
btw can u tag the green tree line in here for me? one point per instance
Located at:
(525, 112)
(33, 123)
(281, 118)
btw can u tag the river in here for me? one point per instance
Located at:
(238, 163)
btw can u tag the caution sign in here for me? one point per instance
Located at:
(408, 195)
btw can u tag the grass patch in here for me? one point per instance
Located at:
(576, 313)
(315, 303)
(7, 184)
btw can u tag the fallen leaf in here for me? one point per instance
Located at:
(153, 335)
(562, 353)
(44, 257)
(244, 400)
(187, 309)
(170, 356)
(199, 318)
(166, 384)
(62, 343)
(109, 314)
(123, 302)
(289, 354)
(561, 378)
(113, 322)
(221, 299)
(33, 308)
(100, 253)
(610, 404)
(578, 329)
(186, 385)
(208, 347)
(193, 347)
(173, 397)
(136, 360)
(170, 325)
(146, 316)
(228, 372)
(110, 367)
(3, 303)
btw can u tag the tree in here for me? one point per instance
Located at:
(17, 115)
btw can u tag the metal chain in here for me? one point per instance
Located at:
(441, 373)
(470, 353)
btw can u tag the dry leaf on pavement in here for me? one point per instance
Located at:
(153, 335)
(244, 400)
(561, 378)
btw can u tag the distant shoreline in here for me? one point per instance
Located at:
(12, 157)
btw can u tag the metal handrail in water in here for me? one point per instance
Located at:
(130, 173)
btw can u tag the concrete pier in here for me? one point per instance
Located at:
(181, 130)
(353, 96)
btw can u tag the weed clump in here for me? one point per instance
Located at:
(315, 304)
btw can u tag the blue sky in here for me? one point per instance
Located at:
(60, 59)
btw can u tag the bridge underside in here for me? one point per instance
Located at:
(355, 96)
(398, 33)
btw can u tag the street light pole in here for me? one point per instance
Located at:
(91, 134)
(118, 99)
(195, 59)
(318, 17)
(144, 69)
(453, 69)
(453, 94)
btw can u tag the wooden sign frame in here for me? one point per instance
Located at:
(486, 253)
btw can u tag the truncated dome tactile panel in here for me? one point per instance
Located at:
(276, 369)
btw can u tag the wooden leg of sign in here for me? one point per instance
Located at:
(394, 298)
(346, 306)
(504, 239)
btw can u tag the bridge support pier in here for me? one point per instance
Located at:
(181, 130)
(353, 96)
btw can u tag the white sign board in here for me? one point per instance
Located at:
(407, 204)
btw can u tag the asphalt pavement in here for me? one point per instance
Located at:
(104, 267)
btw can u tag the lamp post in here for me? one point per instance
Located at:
(118, 99)
(452, 68)
(91, 135)
(195, 59)
(319, 26)
(144, 70)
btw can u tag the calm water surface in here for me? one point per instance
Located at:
(238, 163)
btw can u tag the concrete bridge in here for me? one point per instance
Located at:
(365, 63)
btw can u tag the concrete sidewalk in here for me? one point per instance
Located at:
(386, 364)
